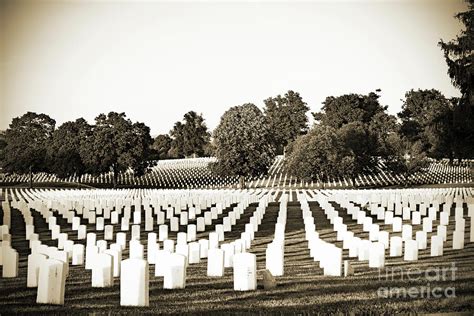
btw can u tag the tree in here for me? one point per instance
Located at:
(26, 142)
(362, 145)
(319, 155)
(460, 59)
(405, 158)
(286, 118)
(64, 158)
(162, 145)
(362, 125)
(427, 119)
(116, 144)
(243, 144)
(341, 110)
(191, 137)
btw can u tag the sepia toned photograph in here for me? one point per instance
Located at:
(206, 157)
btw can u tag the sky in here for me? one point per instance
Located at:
(155, 61)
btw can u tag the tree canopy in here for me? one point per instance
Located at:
(319, 155)
(162, 145)
(459, 55)
(242, 143)
(26, 143)
(63, 151)
(348, 108)
(190, 137)
(427, 118)
(287, 118)
(116, 144)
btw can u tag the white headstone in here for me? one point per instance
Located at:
(175, 272)
(102, 271)
(134, 282)
(51, 282)
(245, 272)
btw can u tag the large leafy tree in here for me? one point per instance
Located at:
(459, 55)
(116, 144)
(362, 145)
(362, 125)
(242, 143)
(162, 146)
(319, 155)
(344, 109)
(26, 142)
(190, 137)
(64, 158)
(427, 119)
(287, 118)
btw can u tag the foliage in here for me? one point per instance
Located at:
(341, 110)
(26, 142)
(362, 125)
(319, 155)
(405, 157)
(64, 158)
(460, 59)
(286, 118)
(162, 146)
(116, 144)
(357, 139)
(427, 119)
(189, 138)
(242, 142)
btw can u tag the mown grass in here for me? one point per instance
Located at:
(302, 290)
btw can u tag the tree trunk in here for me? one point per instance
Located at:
(115, 176)
(353, 178)
(405, 177)
(242, 182)
(31, 177)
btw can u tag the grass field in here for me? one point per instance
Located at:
(302, 290)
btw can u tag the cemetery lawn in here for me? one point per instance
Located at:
(303, 288)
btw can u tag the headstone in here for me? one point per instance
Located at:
(194, 252)
(10, 262)
(203, 248)
(136, 249)
(77, 255)
(396, 246)
(175, 272)
(35, 261)
(274, 259)
(421, 239)
(411, 250)
(245, 272)
(377, 255)
(215, 262)
(407, 232)
(116, 252)
(109, 232)
(162, 232)
(458, 239)
(397, 224)
(136, 232)
(161, 259)
(121, 240)
(436, 246)
(51, 282)
(134, 282)
(102, 271)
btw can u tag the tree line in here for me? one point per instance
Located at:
(352, 133)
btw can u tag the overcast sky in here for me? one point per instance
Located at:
(157, 60)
